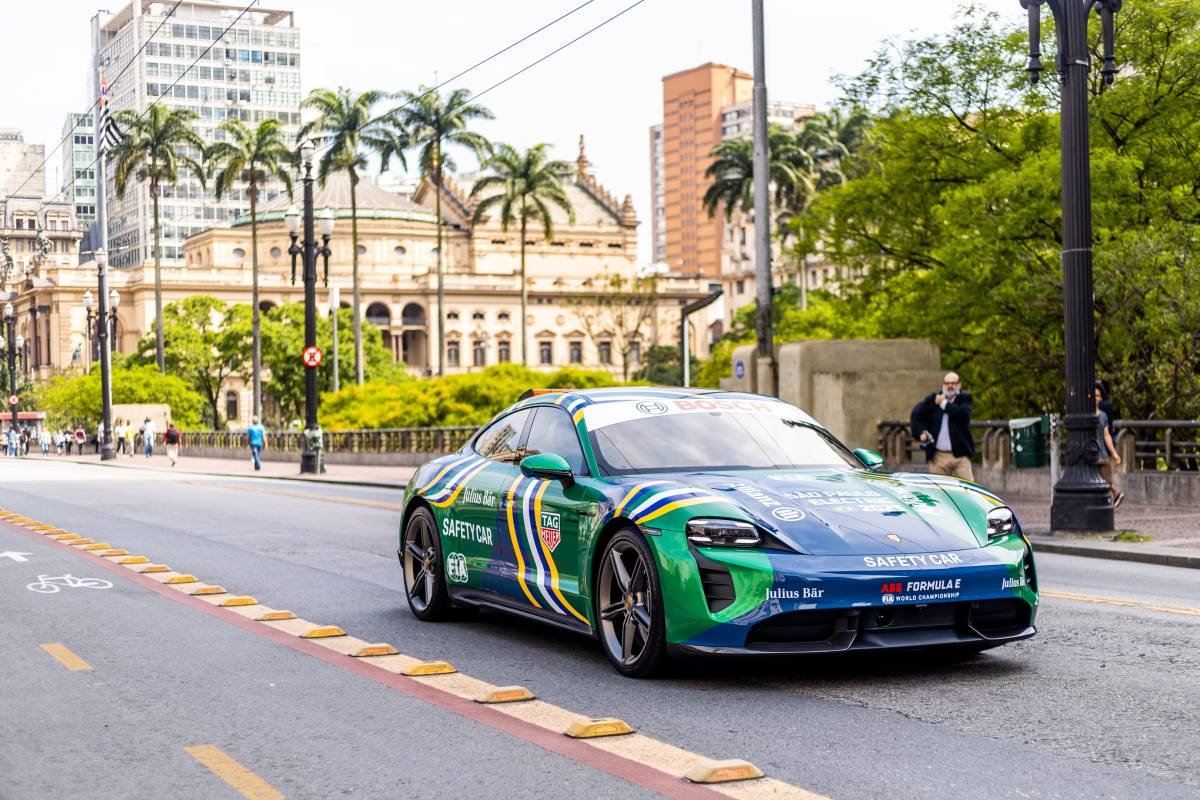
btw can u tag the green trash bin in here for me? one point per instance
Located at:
(1029, 437)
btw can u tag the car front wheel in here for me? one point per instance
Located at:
(423, 579)
(628, 606)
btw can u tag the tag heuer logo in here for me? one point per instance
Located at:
(550, 530)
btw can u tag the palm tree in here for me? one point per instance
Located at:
(732, 174)
(351, 134)
(251, 157)
(155, 145)
(432, 122)
(524, 183)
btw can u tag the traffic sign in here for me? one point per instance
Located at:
(311, 356)
(13, 399)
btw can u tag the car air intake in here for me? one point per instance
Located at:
(996, 619)
(718, 586)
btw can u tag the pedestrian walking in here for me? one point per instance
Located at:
(119, 436)
(1108, 451)
(148, 437)
(172, 437)
(80, 437)
(942, 423)
(130, 436)
(10, 442)
(257, 437)
(44, 439)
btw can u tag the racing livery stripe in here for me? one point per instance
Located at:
(512, 534)
(537, 515)
(621, 506)
(456, 479)
(660, 497)
(531, 537)
(461, 485)
(443, 471)
(669, 507)
(578, 416)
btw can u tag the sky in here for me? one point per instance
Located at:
(607, 86)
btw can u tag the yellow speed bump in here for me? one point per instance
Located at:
(505, 694)
(65, 537)
(41, 526)
(134, 560)
(177, 579)
(429, 668)
(98, 546)
(244, 600)
(116, 551)
(154, 568)
(723, 771)
(274, 616)
(76, 542)
(52, 531)
(207, 590)
(322, 631)
(604, 726)
(375, 650)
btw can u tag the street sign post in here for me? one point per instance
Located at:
(311, 356)
(13, 399)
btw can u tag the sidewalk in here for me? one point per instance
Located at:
(385, 477)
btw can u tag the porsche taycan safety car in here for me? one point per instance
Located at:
(671, 521)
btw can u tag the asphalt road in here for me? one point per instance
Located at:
(1101, 704)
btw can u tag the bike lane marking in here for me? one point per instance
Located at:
(1113, 601)
(635, 758)
(233, 772)
(64, 656)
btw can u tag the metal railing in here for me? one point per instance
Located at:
(385, 440)
(1144, 445)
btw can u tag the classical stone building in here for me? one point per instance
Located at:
(568, 320)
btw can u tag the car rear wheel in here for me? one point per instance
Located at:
(628, 607)
(424, 582)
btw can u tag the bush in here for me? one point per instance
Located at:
(71, 400)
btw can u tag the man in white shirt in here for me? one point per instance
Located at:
(942, 422)
(148, 436)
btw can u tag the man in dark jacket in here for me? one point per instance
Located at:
(942, 422)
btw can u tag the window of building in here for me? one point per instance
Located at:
(546, 352)
(605, 349)
(635, 352)
(231, 405)
(741, 287)
(477, 315)
(575, 352)
(451, 315)
(503, 352)
(400, 250)
(275, 253)
(362, 250)
(504, 316)
(452, 357)
(478, 353)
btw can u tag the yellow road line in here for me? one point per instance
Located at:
(350, 501)
(232, 772)
(1112, 601)
(65, 657)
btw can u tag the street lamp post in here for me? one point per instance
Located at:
(335, 297)
(100, 322)
(1081, 497)
(12, 346)
(310, 458)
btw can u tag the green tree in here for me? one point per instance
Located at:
(661, 366)
(521, 185)
(617, 309)
(251, 157)
(156, 144)
(206, 344)
(352, 132)
(71, 400)
(432, 123)
(732, 172)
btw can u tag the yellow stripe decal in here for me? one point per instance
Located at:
(578, 416)
(62, 655)
(231, 771)
(628, 497)
(458, 490)
(669, 507)
(559, 400)
(512, 534)
(445, 469)
(537, 516)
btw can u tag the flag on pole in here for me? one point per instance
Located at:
(108, 135)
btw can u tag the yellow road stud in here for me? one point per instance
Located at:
(134, 560)
(375, 650)
(98, 546)
(323, 632)
(116, 551)
(604, 726)
(79, 542)
(238, 601)
(207, 590)
(154, 568)
(732, 769)
(505, 694)
(429, 668)
(275, 616)
(180, 579)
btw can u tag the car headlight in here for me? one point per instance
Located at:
(1000, 522)
(722, 533)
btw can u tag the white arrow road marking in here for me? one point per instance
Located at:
(15, 556)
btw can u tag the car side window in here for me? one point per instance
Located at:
(500, 440)
(553, 432)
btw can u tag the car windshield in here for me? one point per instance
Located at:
(714, 440)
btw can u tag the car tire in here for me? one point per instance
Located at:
(628, 609)
(422, 566)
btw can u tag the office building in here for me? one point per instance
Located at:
(78, 169)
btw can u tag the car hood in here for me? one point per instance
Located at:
(843, 512)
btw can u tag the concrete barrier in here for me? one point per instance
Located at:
(357, 459)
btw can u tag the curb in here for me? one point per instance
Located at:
(1162, 556)
(301, 478)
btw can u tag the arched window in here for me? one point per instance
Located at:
(231, 405)
(413, 314)
(378, 314)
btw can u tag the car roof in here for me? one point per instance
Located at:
(609, 394)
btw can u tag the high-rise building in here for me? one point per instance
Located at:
(22, 172)
(658, 196)
(78, 169)
(251, 73)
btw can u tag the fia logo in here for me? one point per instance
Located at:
(550, 530)
(456, 568)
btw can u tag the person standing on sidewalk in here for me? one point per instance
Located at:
(942, 422)
(257, 437)
(130, 433)
(172, 438)
(1108, 451)
(148, 436)
(119, 436)
(44, 439)
(80, 439)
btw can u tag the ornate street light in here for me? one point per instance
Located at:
(98, 325)
(12, 347)
(310, 458)
(1081, 497)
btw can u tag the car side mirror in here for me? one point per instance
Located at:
(549, 466)
(870, 458)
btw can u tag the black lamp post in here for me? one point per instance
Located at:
(99, 324)
(12, 345)
(310, 458)
(1081, 497)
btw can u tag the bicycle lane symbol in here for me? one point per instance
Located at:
(46, 584)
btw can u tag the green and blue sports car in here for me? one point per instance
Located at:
(672, 521)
